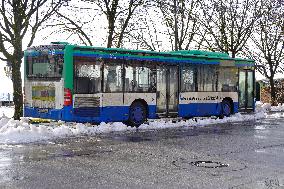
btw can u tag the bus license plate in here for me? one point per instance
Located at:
(43, 110)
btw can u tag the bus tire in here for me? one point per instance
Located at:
(226, 109)
(137, 114)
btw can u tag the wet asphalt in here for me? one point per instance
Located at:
(235, 155)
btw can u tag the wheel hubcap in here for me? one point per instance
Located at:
(226, 109)
(137, 114)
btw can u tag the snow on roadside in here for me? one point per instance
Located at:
(267, 107)
(238, 117)
(279, 108)
(6, 111)
(274, 111)
(15, 132)
(275, 115)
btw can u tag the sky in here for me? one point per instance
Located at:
(6, 85)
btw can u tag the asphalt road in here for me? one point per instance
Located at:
(236, 155)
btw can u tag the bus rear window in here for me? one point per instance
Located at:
(45, 66)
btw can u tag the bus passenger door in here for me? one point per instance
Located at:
(173, 90)
(161, 90)
(167, 90)
(246, 88)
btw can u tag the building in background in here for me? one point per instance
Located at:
(263, 93)
(6, 99)
(6, 85)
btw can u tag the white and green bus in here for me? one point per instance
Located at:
(94, 84)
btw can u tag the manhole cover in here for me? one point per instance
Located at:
(183, 163)
(209, 164)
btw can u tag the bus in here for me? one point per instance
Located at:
(94, 84)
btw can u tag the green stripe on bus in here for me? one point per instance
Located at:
(68, 67)
(196, 59)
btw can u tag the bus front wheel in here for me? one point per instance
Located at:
(137, 114)
(226, 108)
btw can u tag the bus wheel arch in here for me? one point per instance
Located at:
(227, 107)
(138, 112)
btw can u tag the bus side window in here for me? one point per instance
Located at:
(153, 81)
(139, 77)
(188, 79)
(82, 85)
(129, 78)
(207, 78)
(227, 82)
(112, 76)
(60, 62)
(87, 78)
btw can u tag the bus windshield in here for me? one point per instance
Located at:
(45, 66)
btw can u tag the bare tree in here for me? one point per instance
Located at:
(145, 31)
(17, 19)
(268, 40)
(180, 17)
(228, 24)
(78, 21)
(69, 25)
(119, 14)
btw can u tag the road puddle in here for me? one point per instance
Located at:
(131, 138)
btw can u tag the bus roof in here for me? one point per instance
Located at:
(181, 55)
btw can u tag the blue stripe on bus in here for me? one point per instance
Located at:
(120, 113)
(148, 58)
(67, 113)
(202, 109)
(37, 53)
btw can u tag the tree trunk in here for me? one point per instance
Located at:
(176, 26)
(273, 92)
(234, 54)
(110, 34)
(17, 86)
(111, 17)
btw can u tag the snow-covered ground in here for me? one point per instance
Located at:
(278, 108)
(15, 132)
(6, 111)
(267, 107)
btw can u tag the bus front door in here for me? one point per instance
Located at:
(246, 88)
(167, 90)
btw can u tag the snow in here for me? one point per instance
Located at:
(278, 108)
(267, 107)
(276, 115)
(21, 131)
(6, 111)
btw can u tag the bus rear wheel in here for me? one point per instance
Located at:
(226, 109)
(137, 114)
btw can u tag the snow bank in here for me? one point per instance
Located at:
(279, 108)
(275, 115)
(7, 111)
(262, 107)
(267, 107)
(161, 124)
(15, 132)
